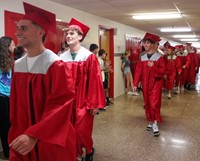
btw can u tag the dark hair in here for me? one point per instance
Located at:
(18, 52)
(148, 40)
(93, 47)
(44, 36)
(6, 60)
(101, 52)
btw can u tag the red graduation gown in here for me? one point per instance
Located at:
(173, 66)
(152, 81)
(192, 69)
(185, 61)
(89, 95)
(40, 106)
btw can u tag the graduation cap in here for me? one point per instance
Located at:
(43, 18)
(179, 47)
(166, 43)
(79, 26)
(152, 37)
(171, 47)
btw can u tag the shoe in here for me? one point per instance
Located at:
(129, 93)
(135, 93)
(149, 127)
(107, 103)
(169, 96)
(177, 92)
(89, 157)
(132, 93)
(155, 130)
(103, 109)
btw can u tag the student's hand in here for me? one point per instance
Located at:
(165, 77)
(94, 111)
(150, 63)
(23, 144)
(111, 70)
(183, 66)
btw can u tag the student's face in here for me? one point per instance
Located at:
(96, 51)
(148, 45)
(28, 34)
(12, 47)
(72, 37)
(181, 50)
(169, 51)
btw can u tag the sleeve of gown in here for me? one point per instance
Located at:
(138, 74)
(94, 93)
(159, 68)
(55, 125)
(178, 65)
(188, 60)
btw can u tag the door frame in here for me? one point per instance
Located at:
(111, 56)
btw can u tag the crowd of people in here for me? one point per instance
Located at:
(173, 67)
(47, 110)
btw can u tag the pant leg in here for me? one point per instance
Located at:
(4, 124)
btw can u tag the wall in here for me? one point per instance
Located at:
(66, 13)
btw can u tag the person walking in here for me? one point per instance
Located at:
(40, 108)
(150, 71)
(88, 84)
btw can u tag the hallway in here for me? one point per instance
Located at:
(120, 132)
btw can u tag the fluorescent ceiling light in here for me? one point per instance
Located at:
(171, 29)
(184, 36)
(59, 20)
(156, 16)
(196, 44)
(189, 39)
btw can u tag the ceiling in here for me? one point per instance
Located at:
(122, 10)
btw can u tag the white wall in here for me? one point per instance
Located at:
(66, 13)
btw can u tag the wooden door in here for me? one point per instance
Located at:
(106, 42)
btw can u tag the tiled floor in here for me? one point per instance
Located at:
(120, 135)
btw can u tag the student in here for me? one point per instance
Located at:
(173, 67)
(150, 71)
(94, 48)
(192, 68)
(185, 61)
(7, 46)
(105, 68)
(89, 89)
(40, 107)
(127, 72)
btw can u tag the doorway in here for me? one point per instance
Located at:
(106, 42)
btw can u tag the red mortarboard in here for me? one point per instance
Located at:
(171, 47)
(152, 37)
(180, 46)
(166, 43)
(43, 18)
(79, 26)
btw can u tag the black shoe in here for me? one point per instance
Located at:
(107, 103)
(89, 157)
